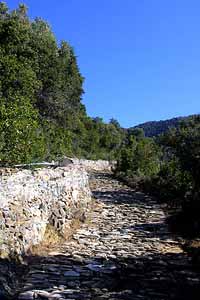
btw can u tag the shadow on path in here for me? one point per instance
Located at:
(147, 277)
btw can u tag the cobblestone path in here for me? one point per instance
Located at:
(125, 251)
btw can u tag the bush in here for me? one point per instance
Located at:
(138, 159)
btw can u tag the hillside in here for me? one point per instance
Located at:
(154, 128)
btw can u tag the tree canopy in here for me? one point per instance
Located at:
(41, 87)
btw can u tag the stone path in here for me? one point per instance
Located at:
(124, 252)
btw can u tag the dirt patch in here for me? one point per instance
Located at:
(52, 238)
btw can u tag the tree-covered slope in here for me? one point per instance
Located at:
(155, 128)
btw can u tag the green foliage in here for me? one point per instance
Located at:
(182, 182)
(185, 144)
(98, 140)
(168, 168)
(170, 185)
(18, 83)
(41, 114)
(139, 157)
(57, 140)
(18, 125)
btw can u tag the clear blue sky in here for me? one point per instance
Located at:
(140, 58)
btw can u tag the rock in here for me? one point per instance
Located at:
(96, 165)
(65, 162)
(31, 200)
(43, 294)
(71, 274)
(29, 295)
(56, 296)
(95, 268)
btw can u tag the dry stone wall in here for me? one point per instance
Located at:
(32, 199)
(95, 165)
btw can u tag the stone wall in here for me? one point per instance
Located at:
(30, 200)
(95, 165)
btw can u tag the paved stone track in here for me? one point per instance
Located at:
(124, 252)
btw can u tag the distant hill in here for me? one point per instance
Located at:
(154, 128)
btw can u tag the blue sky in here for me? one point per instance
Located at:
(140, 58)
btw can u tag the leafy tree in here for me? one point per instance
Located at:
(19, 137)
(18, 83)
(139, 158)
(184, 143)
(40, 97)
